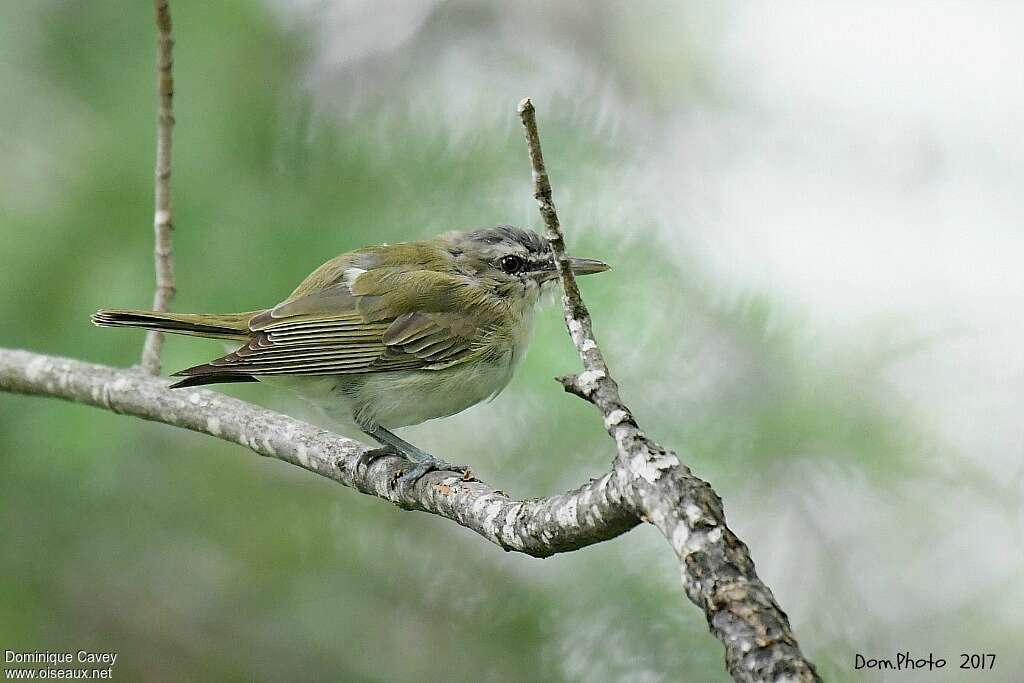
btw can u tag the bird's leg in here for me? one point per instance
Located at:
(424, 462)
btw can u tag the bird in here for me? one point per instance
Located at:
(387, 336)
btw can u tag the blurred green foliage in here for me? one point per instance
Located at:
(196, 561)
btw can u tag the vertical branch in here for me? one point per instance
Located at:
(598, 383)
(716, 569)
(163, 218)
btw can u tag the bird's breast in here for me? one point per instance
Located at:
(402, 398)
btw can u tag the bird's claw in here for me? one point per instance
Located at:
(432, 464)
(367, 457)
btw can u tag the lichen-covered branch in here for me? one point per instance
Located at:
(717, 572)
(163, 216)
(539, 527)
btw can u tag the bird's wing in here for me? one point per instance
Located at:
(353, 326)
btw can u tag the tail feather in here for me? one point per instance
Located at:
(219, 326)
(233, 326)
(205, 373)
(199, 380)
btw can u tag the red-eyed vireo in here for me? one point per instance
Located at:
(387, 336)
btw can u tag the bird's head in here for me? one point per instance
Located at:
(513, 262)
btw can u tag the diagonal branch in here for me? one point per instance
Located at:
(539, 527)
(717, 572)
(163, 217)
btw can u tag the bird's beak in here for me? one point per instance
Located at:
(587, 266)
(579, 266)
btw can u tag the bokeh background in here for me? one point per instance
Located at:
(814, 211)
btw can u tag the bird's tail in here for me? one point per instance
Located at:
(217, 325)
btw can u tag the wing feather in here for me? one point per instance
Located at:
(333, 331)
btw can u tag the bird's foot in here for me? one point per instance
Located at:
(425, 465)
(367, 457)
(422, 462)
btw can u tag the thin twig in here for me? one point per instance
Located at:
(717, 572)
(163, 216)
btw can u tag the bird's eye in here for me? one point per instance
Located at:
(511, 263)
